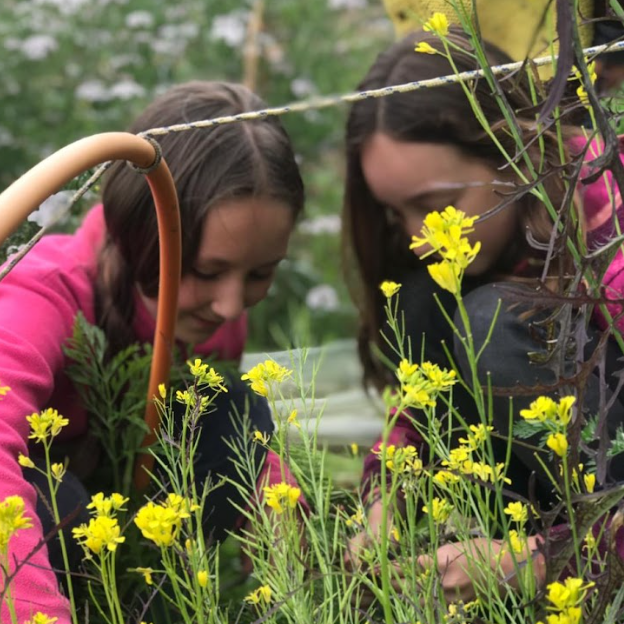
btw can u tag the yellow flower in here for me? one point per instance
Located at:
(206, 375)
(439, 378)
(438, 24)
(567, 594)
(12, 519)
(58, 471)
(41, 618)
(558, 443)
(281, 493)
(445, 478)
(45, 424)
(357, 519)
(406, 370)
(518, 512)
(477, 436)
(417, 397)
(545, 409)
(446, 275)
(202, 578)
(107, 505)
(590, 482)
(261, 438)
(424, 48)
(396, 534)
(355, 449)
(147, 574)
(517, 541)
(101, 532)
(161, 522)
(24, 461)
(440, 509)
(162, 390)
(263, 593)
(292, 419)
(261, 376)
(389, 289)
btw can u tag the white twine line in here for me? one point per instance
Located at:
(298, 107)
(329, 101)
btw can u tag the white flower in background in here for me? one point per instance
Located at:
(37, 47)
(302, 87)
(126, 90)
(168, 47)
(325, 224)
(346, 4)
(92, 91)
(51, 209)
(173, 32)
(230, 28)
(6, 138)
(67, 7)
(322, 297)
(139, 19)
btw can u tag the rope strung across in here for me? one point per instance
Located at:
(316, 103)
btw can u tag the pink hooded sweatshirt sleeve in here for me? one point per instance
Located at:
(39, 300)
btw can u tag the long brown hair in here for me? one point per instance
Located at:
(375, 248)
(209, 166)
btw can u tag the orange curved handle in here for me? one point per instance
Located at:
(27, 193)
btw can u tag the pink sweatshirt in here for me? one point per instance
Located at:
(39, 300)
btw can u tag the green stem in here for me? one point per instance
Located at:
(61, 535)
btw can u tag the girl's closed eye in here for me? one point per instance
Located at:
(205, 276)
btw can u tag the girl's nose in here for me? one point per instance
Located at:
(229, 302)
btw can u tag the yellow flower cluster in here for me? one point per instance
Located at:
(103, 533)
(206, 375)
(420, 385)
(461, 460)
(445, 234)
(12, 519)
(189, 397)
(565, 599)
(262, 594)
(161, 522)
(438, 24)
(439, 509)
(553, 416)
(389, 288)
(402, 459)
(546, 410)
(357, 519)
(107, 505)
(46, 424)
(280, 495)
(261, 376)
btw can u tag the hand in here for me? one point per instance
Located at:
(367, 536)
(460, 567)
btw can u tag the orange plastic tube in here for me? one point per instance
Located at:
(27, 193)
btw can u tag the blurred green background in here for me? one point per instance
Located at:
(71, 68)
